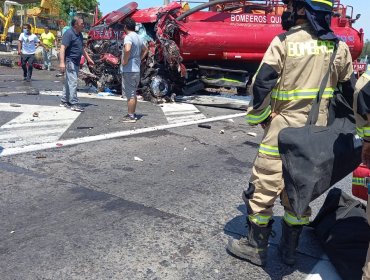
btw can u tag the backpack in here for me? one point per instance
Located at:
(343, 230)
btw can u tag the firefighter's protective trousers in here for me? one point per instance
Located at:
(362, 112)
(286, 84)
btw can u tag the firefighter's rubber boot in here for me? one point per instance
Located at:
(289, 242)
(254, 247)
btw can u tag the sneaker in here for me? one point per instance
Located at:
(65, 104)
(24, 78)
(129, 119)
(77, 108)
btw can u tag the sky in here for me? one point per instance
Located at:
(359, 7)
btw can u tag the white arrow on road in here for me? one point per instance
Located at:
(25, 129)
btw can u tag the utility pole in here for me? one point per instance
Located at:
(166, 2)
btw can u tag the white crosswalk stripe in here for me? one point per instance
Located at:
(181, 112)
(25, 129)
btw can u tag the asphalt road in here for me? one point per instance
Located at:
(157, 204)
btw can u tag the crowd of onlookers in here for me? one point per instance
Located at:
(70, 52)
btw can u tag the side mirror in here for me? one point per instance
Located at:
(357, 17)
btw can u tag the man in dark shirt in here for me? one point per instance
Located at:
(70, 55)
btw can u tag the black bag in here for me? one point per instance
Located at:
(316, 157)
(343, 230)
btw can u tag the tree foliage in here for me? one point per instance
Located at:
(87, 6)
(66, 6)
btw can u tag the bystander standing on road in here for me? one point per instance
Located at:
(283, 91)
(49, 41)
(71, 50)
(133, 52)
(362, 110)
(27, 44)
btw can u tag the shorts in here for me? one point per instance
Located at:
(130, 82)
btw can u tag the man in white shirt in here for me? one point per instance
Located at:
(27, 44)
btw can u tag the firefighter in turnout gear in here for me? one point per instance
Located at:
(283, 89)
(362, 110)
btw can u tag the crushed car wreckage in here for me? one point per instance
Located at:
(216, 44)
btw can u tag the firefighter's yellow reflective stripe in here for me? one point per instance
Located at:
(312, 47)
(294, 221)
(300, 94)
(363, 131)
(269, 150)
(324, 2)
(358, 181)
(366, 131)
(224, 79)
(259, 219)
(256, 119)
(360, 132)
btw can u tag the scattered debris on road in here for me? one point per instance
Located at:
(85, 127)
(33, 91)
(6, 62)
(204, 126)
(14, 105)
(222, 131)
(35, 114)
(40, 156)
(138, 159)
(252, 134)
(220, 101)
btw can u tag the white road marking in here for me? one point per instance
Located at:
(323, 270)
(83, 94)
(25, 129)
(92, 95)
(181, 112)
(70, 142)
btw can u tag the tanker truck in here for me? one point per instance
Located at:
(215, 44)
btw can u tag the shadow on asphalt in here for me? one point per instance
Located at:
(85, 105)
(237, 228)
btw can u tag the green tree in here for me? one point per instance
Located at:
(87, 6)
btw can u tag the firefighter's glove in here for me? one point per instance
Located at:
(266, 122)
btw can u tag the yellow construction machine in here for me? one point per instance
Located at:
(46, 14)
(6, 24)
(13, 16)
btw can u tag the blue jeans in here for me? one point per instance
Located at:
(70, 83)
(47, 58)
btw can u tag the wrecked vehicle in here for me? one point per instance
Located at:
(216, 44)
